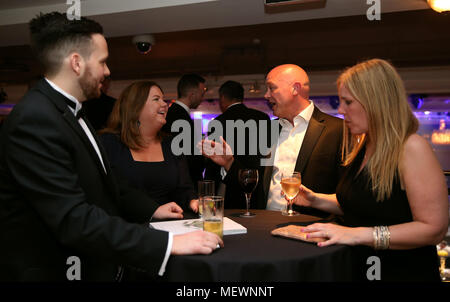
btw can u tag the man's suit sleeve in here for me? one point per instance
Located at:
(39, 158)
(134, 205)
(232, 174)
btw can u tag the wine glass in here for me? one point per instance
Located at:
(290, 184)
(205, 188)
(442, 250)
(248, 179)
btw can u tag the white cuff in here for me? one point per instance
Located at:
(166, 257)
(223, 172)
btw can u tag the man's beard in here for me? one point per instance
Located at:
(89, 85)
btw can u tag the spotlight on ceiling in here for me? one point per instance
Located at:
(254, 88)
(439, 5)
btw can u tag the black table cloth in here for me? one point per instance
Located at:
(259, 256)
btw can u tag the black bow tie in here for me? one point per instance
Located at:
(80, 114)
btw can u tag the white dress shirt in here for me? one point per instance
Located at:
(94, 144)
(286, 154)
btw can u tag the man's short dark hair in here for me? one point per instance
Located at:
(187, 83)
(54, 36)
(232, 90)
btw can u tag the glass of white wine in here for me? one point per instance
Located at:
(213, 214)
(205, 188)
(290, 184)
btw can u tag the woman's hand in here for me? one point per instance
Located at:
(194, 205)
(336, 234)
(305, 197)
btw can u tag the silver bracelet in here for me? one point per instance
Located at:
(375, 237)
(387, 238)
(381, 237)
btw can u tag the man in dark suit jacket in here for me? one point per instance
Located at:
(231, 96)
(191, 91)
(309, 142)
(62, 213)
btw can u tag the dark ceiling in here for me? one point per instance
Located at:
(413, 38)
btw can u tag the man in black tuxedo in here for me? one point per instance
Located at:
(191, 91)
(231, 96)
(58, 198)
(309, 142)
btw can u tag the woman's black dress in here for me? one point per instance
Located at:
(163, 181)
(361, 209)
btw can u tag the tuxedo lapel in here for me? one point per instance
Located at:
(100, 147)
(74, 124)
(111, 182)
(60, 102)
(108, 176)
(312, 135)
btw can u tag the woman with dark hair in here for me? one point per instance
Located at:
(393, 195)
(140, 153)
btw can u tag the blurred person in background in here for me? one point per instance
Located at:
(191, 91)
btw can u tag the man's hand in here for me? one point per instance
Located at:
(194, 204)
(220, 153)
(169, 211)
(198, 242)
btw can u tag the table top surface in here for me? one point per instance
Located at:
(256, 251)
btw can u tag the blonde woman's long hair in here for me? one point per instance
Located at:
(378, 87)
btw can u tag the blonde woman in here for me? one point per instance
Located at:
(393, 194)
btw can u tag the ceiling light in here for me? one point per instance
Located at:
(439, 5)
(254, 88)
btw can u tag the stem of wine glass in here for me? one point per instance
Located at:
(248, 196)
(442, 268)
(290, 206)
(287, 206)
